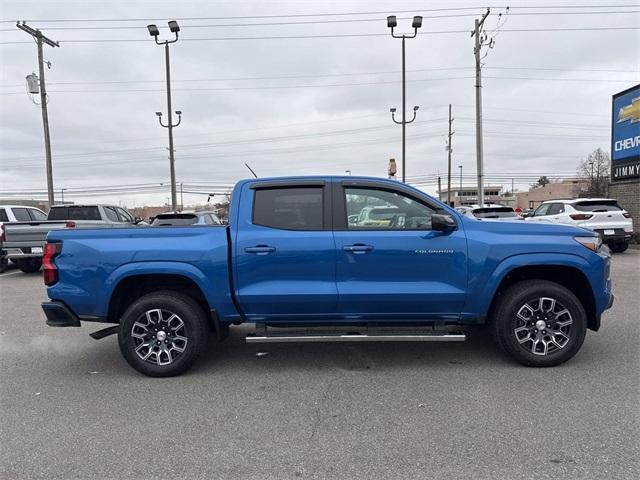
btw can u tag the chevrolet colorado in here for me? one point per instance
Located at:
(295, 262)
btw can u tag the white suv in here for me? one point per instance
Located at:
(602, 215)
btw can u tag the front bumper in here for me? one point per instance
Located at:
(59, 315)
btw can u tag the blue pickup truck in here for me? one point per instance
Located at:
(299, 261)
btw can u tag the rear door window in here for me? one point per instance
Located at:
(3, 215)
(290, 208)
(597, 206)
(22, 214)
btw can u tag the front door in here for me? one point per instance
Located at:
(285, 253)
(390, 264)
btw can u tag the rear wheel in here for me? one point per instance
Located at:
(163, 333)
(618, 247)
(539, 323)
(30, 265)
(4, 263)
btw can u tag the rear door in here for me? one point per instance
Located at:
(397, 268)
(284, 252)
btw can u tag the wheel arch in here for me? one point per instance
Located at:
(570, 277)
(131, 287)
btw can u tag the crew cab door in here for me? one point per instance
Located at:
(394, 266)
(284, 252)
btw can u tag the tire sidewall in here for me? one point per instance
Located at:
(194, 325)
(506, 322)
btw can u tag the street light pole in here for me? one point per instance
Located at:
(392, 23)
(460, 191)
(154, 32)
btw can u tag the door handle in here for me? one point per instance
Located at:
(260, 249)
(357, 248)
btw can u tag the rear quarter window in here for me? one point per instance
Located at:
(3, 215)
(22, 214)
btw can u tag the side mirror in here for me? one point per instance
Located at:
(137, 220)
(443, 222)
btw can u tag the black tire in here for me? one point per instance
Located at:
(618, 247)
(4, 263)
(195, 330)
(30, 265)
(520, 344)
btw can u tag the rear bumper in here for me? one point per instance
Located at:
(59, 315)
(618, 235)
(16, 253)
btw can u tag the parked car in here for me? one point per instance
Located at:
(490, 212)
(12, 214)
(186, 218)
(290, 262)
(23, 241)
(601, 215)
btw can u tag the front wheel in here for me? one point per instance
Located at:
(163, 333)
(30, 265)
(539, 323)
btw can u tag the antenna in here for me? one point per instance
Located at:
(251, 170)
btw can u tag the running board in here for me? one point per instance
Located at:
(357, 337)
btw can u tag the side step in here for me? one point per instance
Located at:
(284, 335)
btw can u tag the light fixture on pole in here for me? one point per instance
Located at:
(154, 32)
(392, 23)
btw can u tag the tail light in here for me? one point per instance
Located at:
(49, 268)
(626, 215)
(581, 216)
(2, 236)
(70, 225)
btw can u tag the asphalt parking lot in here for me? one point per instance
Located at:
(72, 408)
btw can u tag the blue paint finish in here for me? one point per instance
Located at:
(306, 276)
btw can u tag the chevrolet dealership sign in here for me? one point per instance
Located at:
(625, 135)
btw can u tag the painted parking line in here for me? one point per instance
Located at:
(10, 273)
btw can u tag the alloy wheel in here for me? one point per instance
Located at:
(543, 326)
(159, 337)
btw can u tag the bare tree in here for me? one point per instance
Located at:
(542, 182)
(595, 171)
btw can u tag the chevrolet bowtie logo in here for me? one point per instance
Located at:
(630, 112)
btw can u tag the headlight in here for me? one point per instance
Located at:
(592, 243)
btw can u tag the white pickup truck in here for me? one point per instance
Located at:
(22, 241)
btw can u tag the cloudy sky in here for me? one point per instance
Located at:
(313, 101)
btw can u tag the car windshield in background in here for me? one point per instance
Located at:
(175, 219)
(494, 212)
(597, 206)
(74, 213)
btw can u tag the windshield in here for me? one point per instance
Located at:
(494, 212)
(597, 206)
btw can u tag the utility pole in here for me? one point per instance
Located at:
(479, 42)
(40, 39)
(181, 198)
(449, 158)
(460, 192)
(440, 188)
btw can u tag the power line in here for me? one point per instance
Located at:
(315, 22)
(345, 35)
